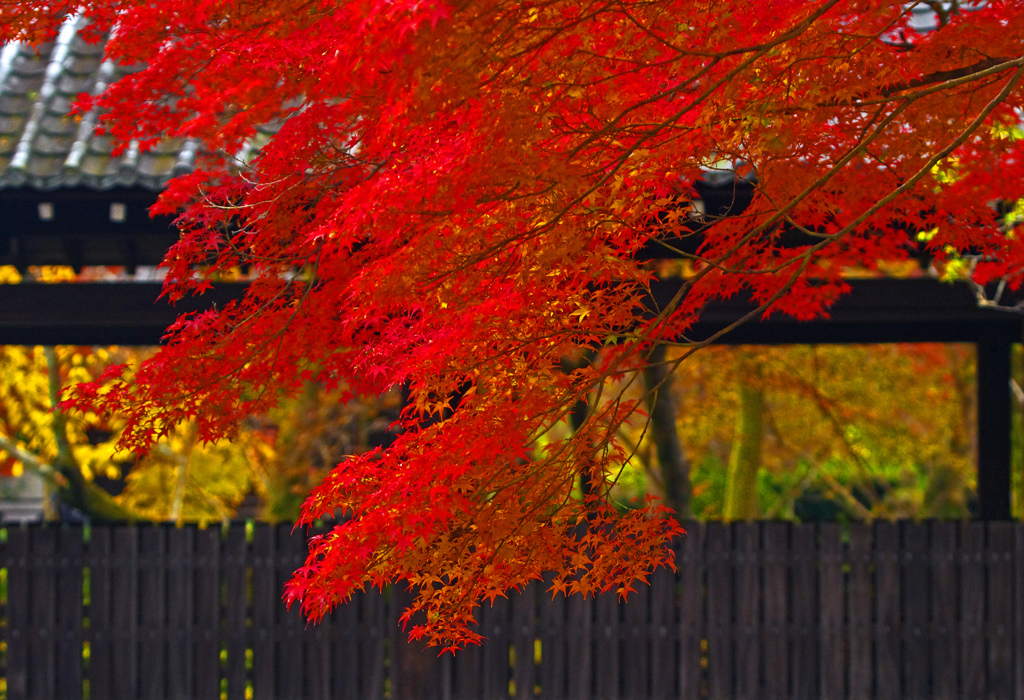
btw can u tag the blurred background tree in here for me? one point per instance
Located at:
(825, 432)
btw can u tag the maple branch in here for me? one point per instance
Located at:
(759, 51)
(806, 256)
(939, 81)
(952, 77)
(781, 212)
(939, 156)
(613, 167)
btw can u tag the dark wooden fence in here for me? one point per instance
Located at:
(763, 610)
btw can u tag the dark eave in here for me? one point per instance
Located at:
(81, 227)
(96, 313)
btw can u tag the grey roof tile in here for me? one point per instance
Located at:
(43, 146)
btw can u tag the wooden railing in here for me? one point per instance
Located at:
(761, 610)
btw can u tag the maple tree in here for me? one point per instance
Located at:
(453, 202)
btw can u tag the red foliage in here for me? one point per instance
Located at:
(455, 198)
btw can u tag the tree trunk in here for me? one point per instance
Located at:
(77, 492)
(672, 461)
(745, 460)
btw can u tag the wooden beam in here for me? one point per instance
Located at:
(876, 311)
(994, 423)
(100, 313)
(920, 310)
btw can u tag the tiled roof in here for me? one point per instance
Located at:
(43, 147)
(64, 198)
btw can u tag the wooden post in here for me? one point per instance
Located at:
(993, 429)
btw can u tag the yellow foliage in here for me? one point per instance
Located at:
(215, 478)
(25, 407)
(183, 481)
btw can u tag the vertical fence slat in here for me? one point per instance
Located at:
(634, 645)
(18, 626)
(805, 648)
(5, 641)
(69, 613)
(999, 589)
(748, 604)
(774, 641)
(46, 639)
(524, 612)
(662, 635)
(264, 608)
(180, 610)
(553, 667)
(691, 602)
(42, 652)
(346, 642)
(1019, 606)
(416, 671)
(860, 615)
(972, 609)
(468, 662)
(495, 672)
(832, 615)
(153, 633)
(317, 639)
(400, 670)
(208, 613)
(720, 606)
(100, 634)
(374, 616)
(316, 649)
(236, 563)
(124, 599)
(944, 605)
(578, 647)
(888, 629)
(915, 587)
(290, 555)
(606, 648)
